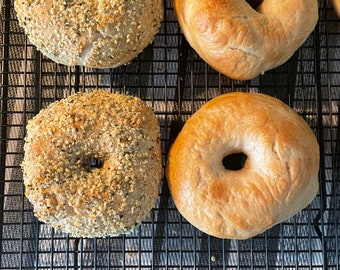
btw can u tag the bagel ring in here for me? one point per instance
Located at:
(242, 41)
(336, 6)
(96, 34)
(278, 178)
(92, 163)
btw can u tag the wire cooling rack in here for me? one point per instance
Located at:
(172, 79)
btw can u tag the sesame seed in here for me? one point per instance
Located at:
(91, 33)
(81, 199)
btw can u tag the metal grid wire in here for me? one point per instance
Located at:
(172, 79)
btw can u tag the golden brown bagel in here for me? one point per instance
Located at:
(91, 33)
(336, 6)
(241, 41)
(278, 178)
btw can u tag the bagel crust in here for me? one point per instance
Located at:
(242, 41)
(122, 134)
(91, 33)
(278, 179)
(336, 6)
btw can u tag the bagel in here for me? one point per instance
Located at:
(275, 174)
(92, 164)
(242, 41)
(96, 34)
(336, 6)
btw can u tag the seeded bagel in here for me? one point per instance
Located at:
(92, 163)
(90, 33)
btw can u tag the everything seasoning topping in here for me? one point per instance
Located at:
(122, 138)
(93, 33)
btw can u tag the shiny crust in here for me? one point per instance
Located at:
(279, 177)
(336, 6)
(120, 131)
(90, 33)
(242, 42)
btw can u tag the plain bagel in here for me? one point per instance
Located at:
(242, 41)
(336, 6)
(90, 33)
(92, 163)
(278, 178)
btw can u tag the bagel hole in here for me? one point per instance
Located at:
(234, 161)
(254, 3)
(93, 163)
